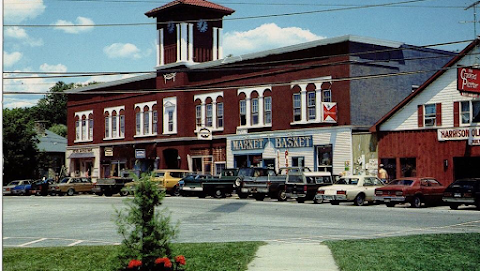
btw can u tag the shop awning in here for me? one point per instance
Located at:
(81, 155)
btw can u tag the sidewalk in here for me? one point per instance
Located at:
(293, 257)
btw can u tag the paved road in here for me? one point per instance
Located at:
(88, 220)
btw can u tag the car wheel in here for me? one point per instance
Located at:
(359, 200)
(259, 197)
(238, 182)
(454, 206)
(389, 204)
(242, 195)
(334, 202)
(176, 191)
(282, 195)
(218, 194)
(317, 201)
(123, 193)
(416, 202)
(70, 192)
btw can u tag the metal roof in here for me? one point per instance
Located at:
(196, 3)
(51, 142)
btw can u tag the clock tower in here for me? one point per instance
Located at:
(189, 31)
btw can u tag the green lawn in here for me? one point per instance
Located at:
(205, 257)
(437, 252)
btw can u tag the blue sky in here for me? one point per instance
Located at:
(96, 48)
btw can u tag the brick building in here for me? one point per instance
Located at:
(308, 104)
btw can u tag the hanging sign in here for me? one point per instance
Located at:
(330, 112)
(468, 80)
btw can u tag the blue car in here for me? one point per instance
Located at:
(22, 189)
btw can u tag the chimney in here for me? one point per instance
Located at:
(40, 127)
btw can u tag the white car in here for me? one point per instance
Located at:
(356, 188)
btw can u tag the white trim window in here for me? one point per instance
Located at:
(114, 128)
(430, 115)
(84, 126)
(268, 110)
(170, 115)
(209, 111)
(470, 112)
(297, 107)
(311, 103)
(145, 119)
(327, 95)
(252, 108)
(311, 110)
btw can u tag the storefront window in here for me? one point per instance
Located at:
(390, 165)
(324, 158)
(298, 161)
(408, 167)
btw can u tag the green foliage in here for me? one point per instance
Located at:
(146, 231)
(419, 252)
(204, 257)
(19, 145)
(59, 129)
(53, 107)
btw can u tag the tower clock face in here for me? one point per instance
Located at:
(170, 27)
(202, 26)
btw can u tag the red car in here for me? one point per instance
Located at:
(414, 190)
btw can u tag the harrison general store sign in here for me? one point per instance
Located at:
(472, 134)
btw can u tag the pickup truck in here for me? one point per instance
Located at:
(227, 183)
(192, 185)
(271, 185)
(110, 186)
(303, 185)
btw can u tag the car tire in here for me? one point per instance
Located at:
(218, 194)
(176, 191)
(70, 192)
(359, 200)
(242, 195)
(259, 197)
(282, 195)
(390, 204)
(416, 202)
(123, 193)
(238, 182)
(334, 202)
(317, 201)
(454, 206)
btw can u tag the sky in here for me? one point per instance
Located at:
(36, 41)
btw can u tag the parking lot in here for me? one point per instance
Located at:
(35, 221)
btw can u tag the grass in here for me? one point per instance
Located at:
(417, 253)
(204, 256)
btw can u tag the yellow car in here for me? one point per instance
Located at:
(168, 179)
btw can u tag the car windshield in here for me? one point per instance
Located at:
(349, 181)
(245, 172)
(467, 184)
(401, 182)
(14, 183)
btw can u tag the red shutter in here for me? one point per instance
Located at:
(456, 114)
(420, 115)
(438, 114)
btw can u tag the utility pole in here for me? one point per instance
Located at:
(474, 6)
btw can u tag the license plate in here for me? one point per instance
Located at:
(457, 195)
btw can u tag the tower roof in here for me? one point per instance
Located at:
(192, 3)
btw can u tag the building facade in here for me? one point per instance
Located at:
(435, 131)
(309, 104)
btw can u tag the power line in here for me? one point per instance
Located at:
(247, 66)
(225, 19)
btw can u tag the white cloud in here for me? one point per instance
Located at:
(9, 59)
(82, 24)
(122, 50)
(265, 37)
(19, 33)
(16, 11)
(53, 68)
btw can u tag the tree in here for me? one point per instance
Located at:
(19, 145)
(146, 233)
(59, 129)
(53, 107)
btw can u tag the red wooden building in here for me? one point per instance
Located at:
(435, 131)
(299, 105)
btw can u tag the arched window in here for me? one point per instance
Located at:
(90, 126)
(146, 120)
(267, 107)
(138, 121)
(209, 113)
(107, 124)
(220, 112)
(243, 109)
(122, 123)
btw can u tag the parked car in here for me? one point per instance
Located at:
(270, 184)
(7, 190)
(40, 187)
(192, 185)
(71, 186)
(22, 189)
(357, 188)
(413, 190)
(463, 191)
(303, 185)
